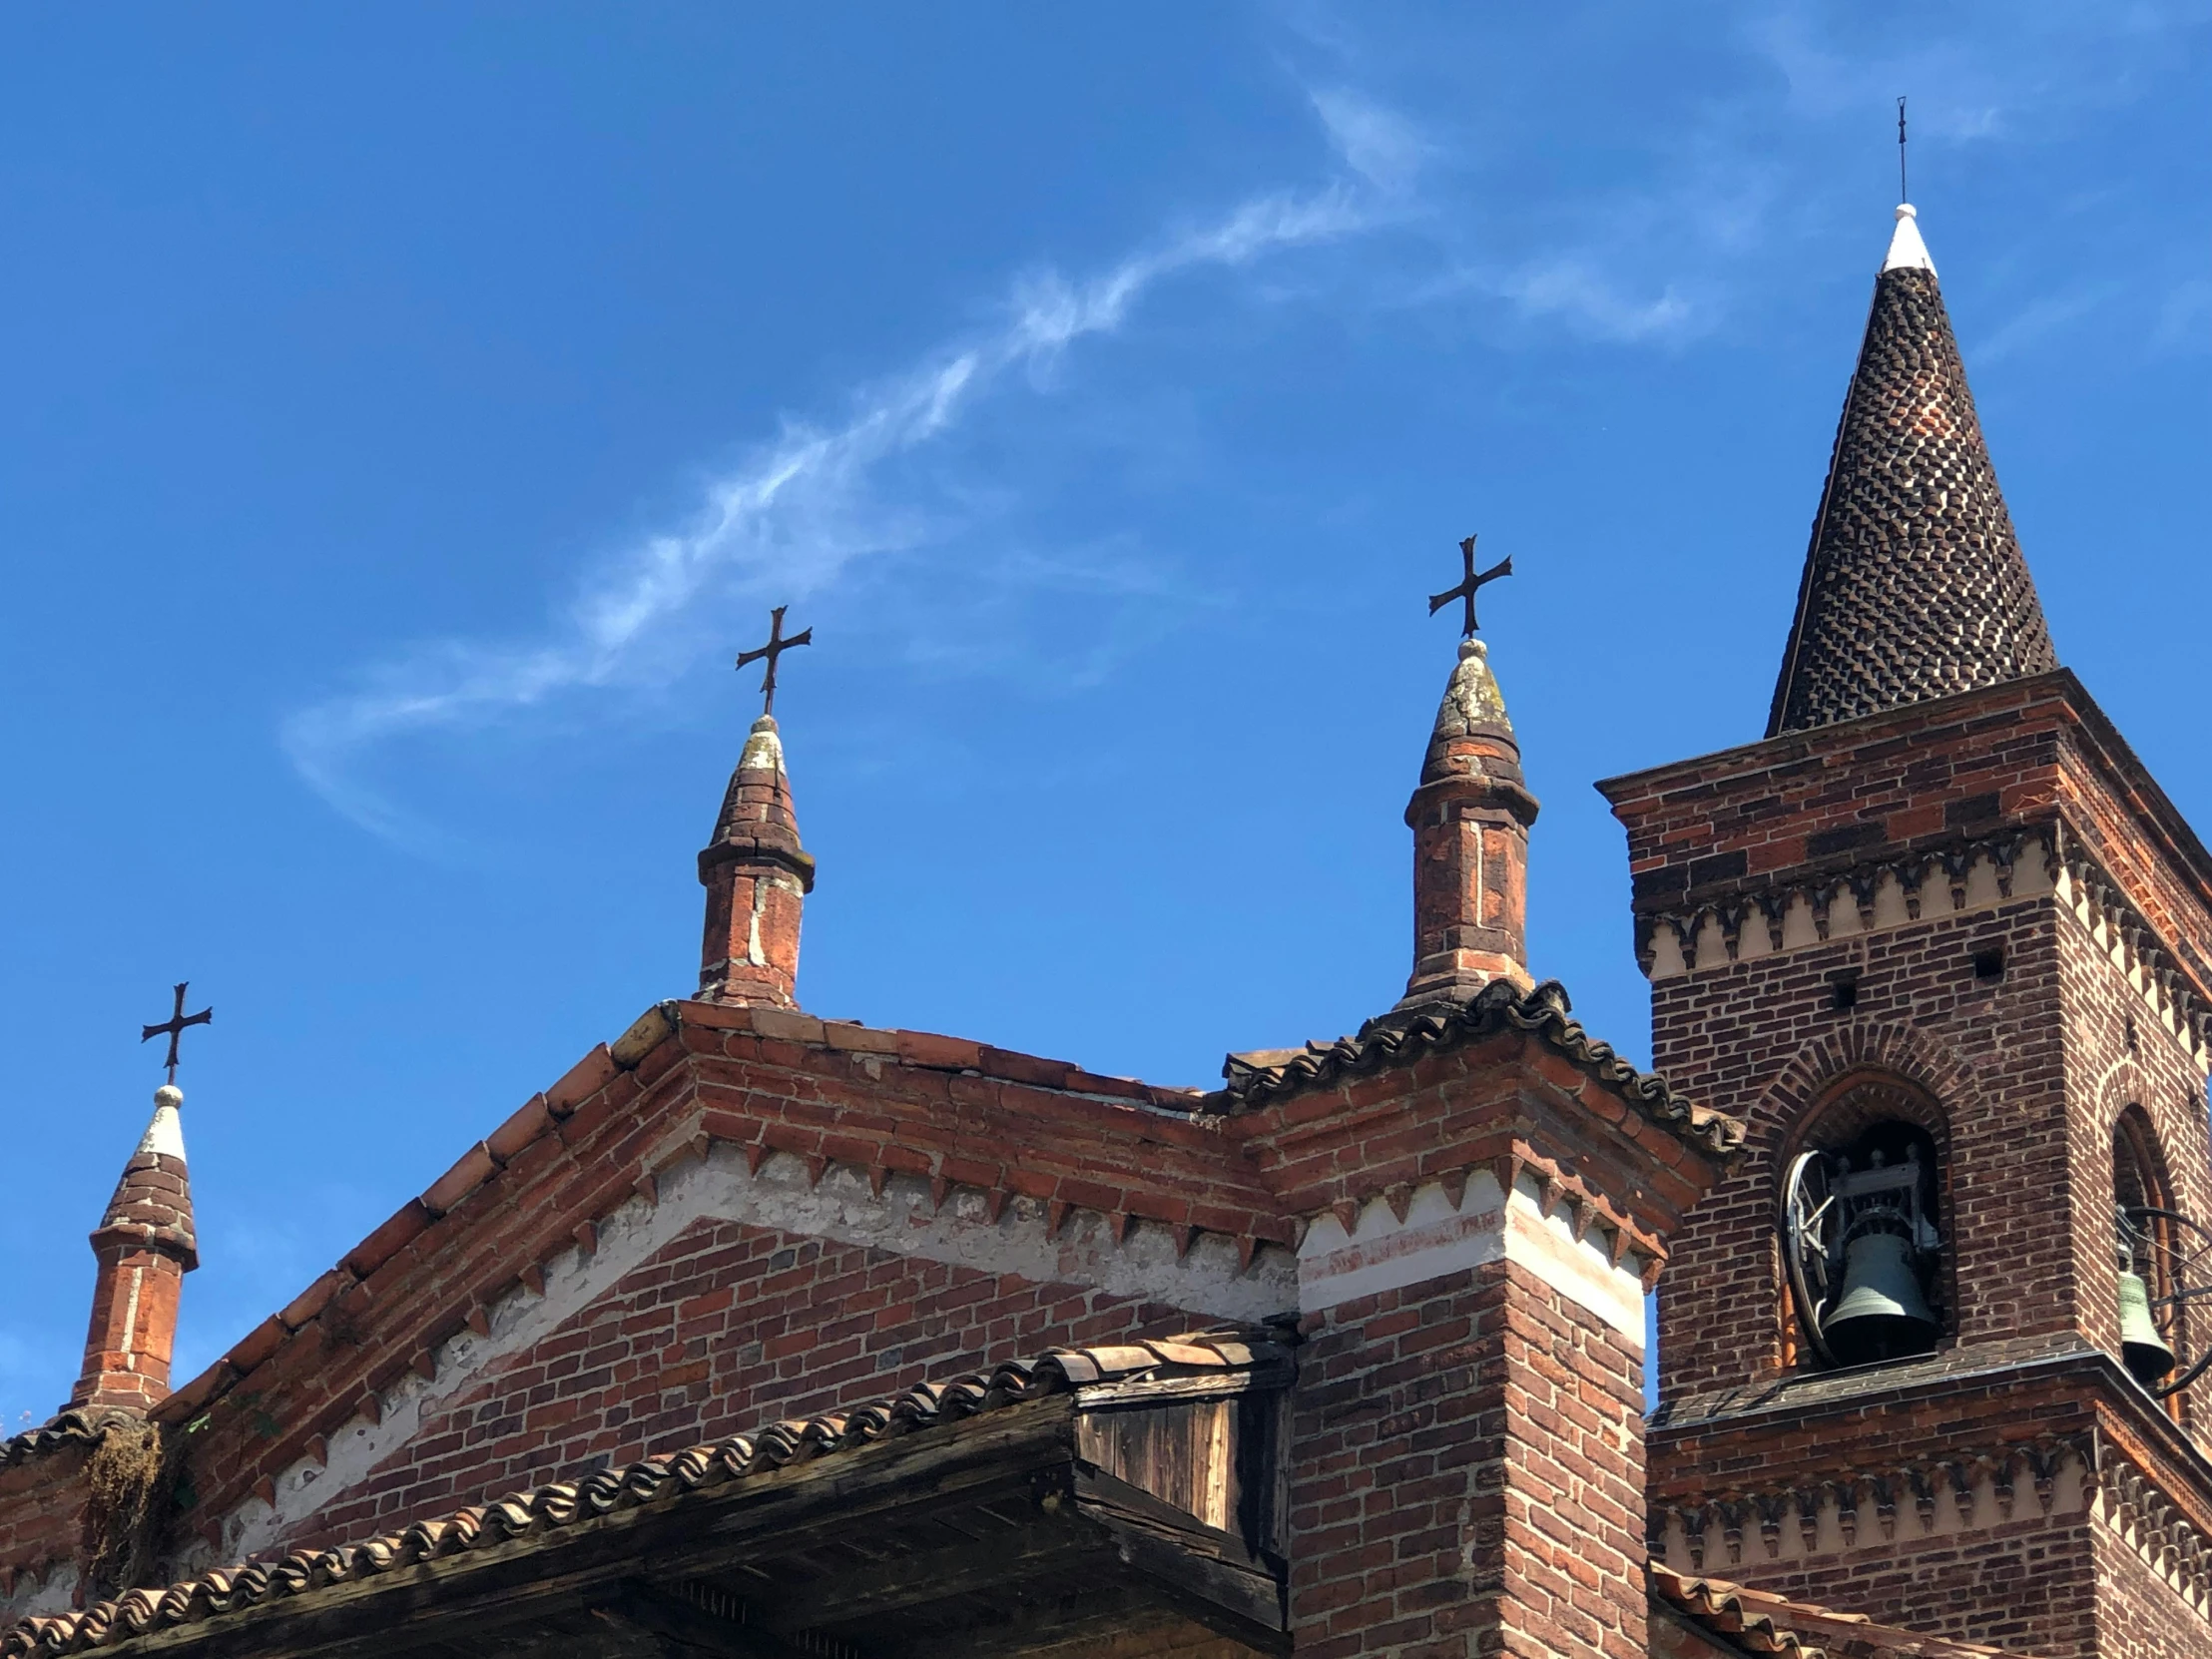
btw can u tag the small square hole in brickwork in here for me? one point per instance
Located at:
(2134, 1043)
(1989, 964)
(1843, 991)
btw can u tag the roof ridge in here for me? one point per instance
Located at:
(75, 1425)
(1257, 1077)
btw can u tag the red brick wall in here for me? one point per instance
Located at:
(2108, 812)
(1908, 777)
(2029, 1585)
(2029, 1073)
(2039, 747)
(956, 1114)
(1468, 1476)
(2104, 1076)
(2032, 1072)
(2138, 1615)
(42, 1516)
(1132, 1190)
(725, 1331)
(2012, 1568)
(134, 1326)
(2028, 753)
(1761, 1040)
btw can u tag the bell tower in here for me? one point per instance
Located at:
(1945, 946)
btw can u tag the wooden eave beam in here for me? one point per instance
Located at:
(691, 1629)
(1015, 1460)
(1047, 1546)
(567, 1569)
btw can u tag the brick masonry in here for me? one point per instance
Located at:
(757, 876)
(727, 1328)
(739, 1213)
(1467, 1477)
(909, 1144)
(1467, 1449)
(144, 1246)
(1978, 914)
(42, 1513)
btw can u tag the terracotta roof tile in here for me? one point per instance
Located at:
(1399, 1039)
(566, 1503)
(74, 1427)
(1762, 1622)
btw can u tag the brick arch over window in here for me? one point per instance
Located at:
(1813, 1075)
(1835, 1113)
(2135, 1142)
(2140, 1175)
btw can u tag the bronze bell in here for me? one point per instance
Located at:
(2141, 1347)
(1882, 1313)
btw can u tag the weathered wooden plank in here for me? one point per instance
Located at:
(1118, 1621)
(1051, 1544)
(1247, 1606)
(1097, 1491)
(1184, 1451)
(691, 1629)
(1139, 1392)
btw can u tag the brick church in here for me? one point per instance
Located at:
(758, 1333)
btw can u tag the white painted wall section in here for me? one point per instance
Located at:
(1437, 1238)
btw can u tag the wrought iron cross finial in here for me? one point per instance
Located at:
(776, 647)
(1904, 194)
(176, 1025)
(1470, 586)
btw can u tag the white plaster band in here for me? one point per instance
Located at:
(1209, 1281)
(1436, 1239)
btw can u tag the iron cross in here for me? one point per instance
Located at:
(174, 1028)
(1904, 194)
(1470, 586)
(776, 647)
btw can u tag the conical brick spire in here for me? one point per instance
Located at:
(144, 1246)
(1913, 585)
(756, 877)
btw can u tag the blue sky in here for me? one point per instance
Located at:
(406, 414)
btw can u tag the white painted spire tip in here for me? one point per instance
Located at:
(166, 1134)
(1907, 251)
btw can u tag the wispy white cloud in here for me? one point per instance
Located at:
(1574, 290)
(2185, 319)
(1375, 140)
(802, 506)
(2039, 319)
(1652, 262)
(1573, 286)
(1992, 71)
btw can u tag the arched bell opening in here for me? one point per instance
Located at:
(1864, 1220)
(2162, 1259)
